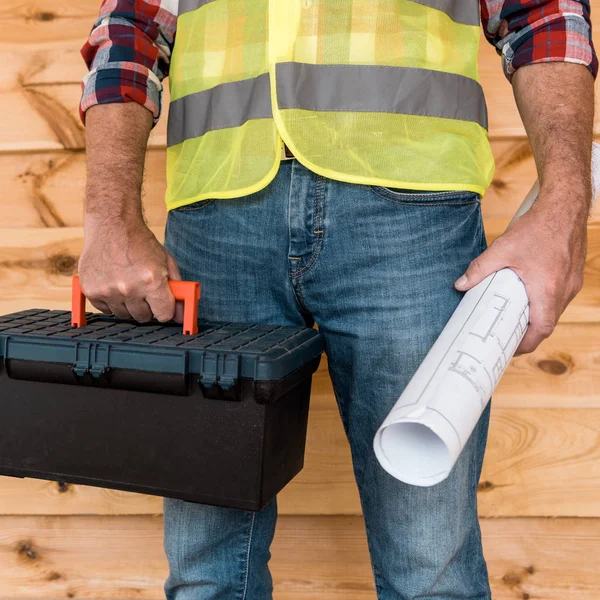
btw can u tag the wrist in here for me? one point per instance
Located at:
(112, 219)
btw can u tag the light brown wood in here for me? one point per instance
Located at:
(538, 463)
(46, 189)
(322, 558)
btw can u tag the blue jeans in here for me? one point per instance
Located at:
(375, 269)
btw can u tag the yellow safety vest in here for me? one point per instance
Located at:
(379, 92)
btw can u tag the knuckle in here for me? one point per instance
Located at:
(545, 327)
(125, 288)
(475, 265)
(150, 277)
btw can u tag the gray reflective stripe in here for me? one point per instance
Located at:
(225, 105)
(461, 11)
(189, 5)
(365, 88)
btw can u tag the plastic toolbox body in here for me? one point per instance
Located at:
(218, 417)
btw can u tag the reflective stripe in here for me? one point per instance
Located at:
(460, 11)
(189, 5)
(365, 88)
(225, 105)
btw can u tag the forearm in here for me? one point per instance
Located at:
(116, 137)
(556, 103)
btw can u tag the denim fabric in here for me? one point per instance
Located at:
(374, 268)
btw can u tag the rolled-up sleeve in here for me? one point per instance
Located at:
(533, 31)
(128, 53)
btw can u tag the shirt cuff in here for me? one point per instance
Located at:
(121, 82)
(558, 38)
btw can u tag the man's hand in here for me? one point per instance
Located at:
(547, 251)
(546, 246)
(124, 270)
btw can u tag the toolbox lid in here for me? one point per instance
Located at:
(219, 353)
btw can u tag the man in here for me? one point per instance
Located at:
(373, 229)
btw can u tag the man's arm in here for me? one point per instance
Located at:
(546, 247)
(123, 268)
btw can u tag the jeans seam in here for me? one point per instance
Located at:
(311, 262)
(299, 296)
(247, 568)
(318, 205)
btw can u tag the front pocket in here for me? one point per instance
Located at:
(426, 198)
(200, 205)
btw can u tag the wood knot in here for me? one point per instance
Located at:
(70, 595)
(553, 366)
(530, 570)
(485, 486)
(511, 578)
(63, 264)
(44, 16)
(26, 550)
(525, 596)
(54, 576)
(63, 487)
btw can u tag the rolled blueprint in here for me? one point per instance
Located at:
(422, 437)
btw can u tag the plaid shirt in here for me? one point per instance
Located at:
(130, 44)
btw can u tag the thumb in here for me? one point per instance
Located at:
(485, 264)
(175, 275)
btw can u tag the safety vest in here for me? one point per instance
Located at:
(378, 92)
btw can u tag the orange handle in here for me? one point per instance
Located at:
(188, 291)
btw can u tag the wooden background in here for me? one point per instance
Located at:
(540, 491)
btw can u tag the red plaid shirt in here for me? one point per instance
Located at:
(130, 44)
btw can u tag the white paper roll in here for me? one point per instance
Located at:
(422, 437)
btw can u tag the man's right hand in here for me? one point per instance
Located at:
(124, 270)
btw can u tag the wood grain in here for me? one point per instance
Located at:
(322, 558)
(539, 462)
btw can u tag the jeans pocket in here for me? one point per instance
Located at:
(200, 205)
(426, 197)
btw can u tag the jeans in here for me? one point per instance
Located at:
(375, 268)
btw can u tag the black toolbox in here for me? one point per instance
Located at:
(216, 417)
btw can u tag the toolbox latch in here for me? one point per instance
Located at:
(219, 374)
(81, 368)
(97, 370)
(230, 371)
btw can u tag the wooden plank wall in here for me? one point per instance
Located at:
(541, 483)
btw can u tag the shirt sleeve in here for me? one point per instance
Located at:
(128, 53)
(533, 31)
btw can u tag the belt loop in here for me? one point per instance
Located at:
(286, 153)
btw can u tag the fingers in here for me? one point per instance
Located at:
(119, 310)
(101, 306)
(162, 302)
(542, 321)
(139, 309)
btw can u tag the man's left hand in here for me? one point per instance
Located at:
(546, 248)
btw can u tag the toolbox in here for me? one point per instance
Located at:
(216, 413)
